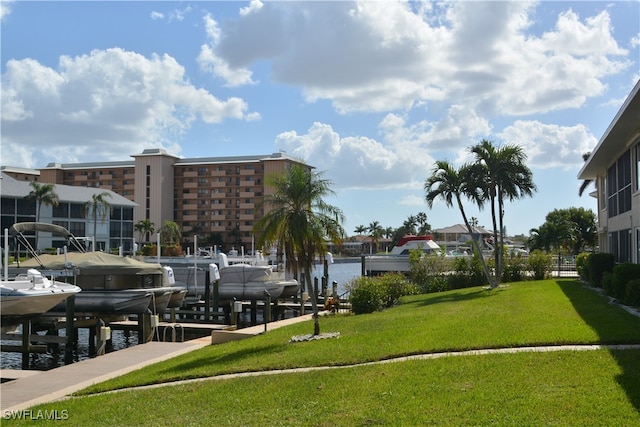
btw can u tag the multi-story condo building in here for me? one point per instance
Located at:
(216, 198)
(614, 167)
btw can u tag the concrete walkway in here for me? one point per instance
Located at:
(31, 388)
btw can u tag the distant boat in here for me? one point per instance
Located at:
(398, 259)
(30, 295)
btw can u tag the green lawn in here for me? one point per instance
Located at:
(556, 388)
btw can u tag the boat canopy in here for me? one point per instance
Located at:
(94, 263)
(21, 227)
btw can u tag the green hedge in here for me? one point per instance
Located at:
(632, 294)
(621, 275)
(597, 265)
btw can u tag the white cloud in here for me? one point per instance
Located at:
(104, 103)
(550, 146)
(5, 9)
(211, 62)
(384, 56)
(157, 15)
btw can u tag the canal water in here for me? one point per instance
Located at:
(341, 272)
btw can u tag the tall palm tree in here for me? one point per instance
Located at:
(300, 221)
(360, 229)
(451, 184)
(145, 227)
(423, 226)
(502, 174)
(42, 194)
(97, 206)
(375, 232)
(410, 224)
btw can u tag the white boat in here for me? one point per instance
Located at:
(254, 282)
(29, 295)
(398, 259)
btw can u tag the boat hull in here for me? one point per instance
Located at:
(378, 264)
(31, 295)
(109, 302)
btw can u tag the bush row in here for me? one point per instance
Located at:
(369, 294)
(621, 281)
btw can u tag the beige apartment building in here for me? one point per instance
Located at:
(217, 198)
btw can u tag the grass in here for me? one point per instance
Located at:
(556, 388)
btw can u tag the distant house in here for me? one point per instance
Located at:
(460, 234)
(614, 167)
(115, 232)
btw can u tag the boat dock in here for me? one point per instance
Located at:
(22, 389)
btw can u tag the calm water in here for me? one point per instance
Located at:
(340, 272)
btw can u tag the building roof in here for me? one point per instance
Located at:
(10, 187)
(462, 229)
(620, 132)
(178, 161)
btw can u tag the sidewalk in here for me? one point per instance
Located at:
(34, 387)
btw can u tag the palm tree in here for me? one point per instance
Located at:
(97, 206)
(170, 233)
(145, 227)
(451, 185)
(42, 194)
(300, 221)
(502, 174)
(586, 182)
(360, 229)
(375, 232)
(410, 224)
(423, 226)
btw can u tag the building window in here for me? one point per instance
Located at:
(620, 245)
(619, 185)
(636, 150)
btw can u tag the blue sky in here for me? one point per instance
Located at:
(370, 93)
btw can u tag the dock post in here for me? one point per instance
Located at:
(267, 309)
(207, 296)
(362, 269)
(26, 344)
(68, 347)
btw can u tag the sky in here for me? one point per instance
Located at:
(370, 93)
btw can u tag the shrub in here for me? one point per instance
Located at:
(539, 264)
(596, 265)
(366, 295)
(395, 286)
(632, 293)
(581, 262)
(467, 273)
(621, 275)
(514, 267)
(429, 273)
(607, 283)
(369, 294)
(172, 250)
(149, 250)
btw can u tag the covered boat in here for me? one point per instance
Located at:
(254, 282)
(101, 276)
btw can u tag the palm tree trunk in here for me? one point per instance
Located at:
(475, 244)
(496, 255)
(314, 301)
